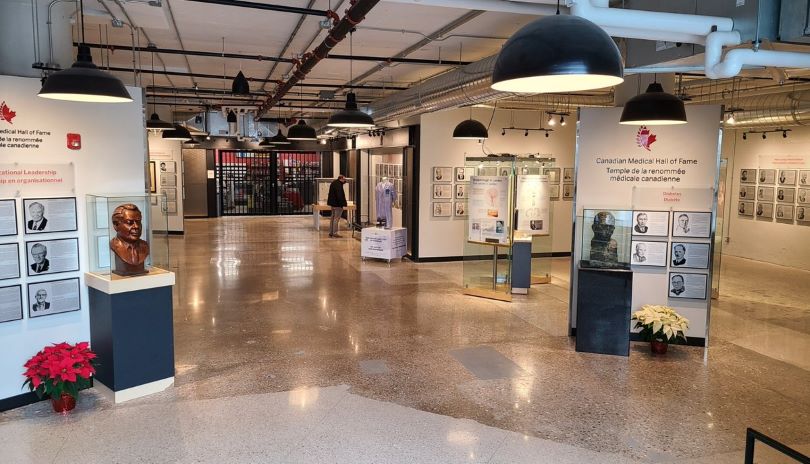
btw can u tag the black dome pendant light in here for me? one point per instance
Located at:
(559, 53)
(350, 116)
(83, 81)
(240, 85)
(470, 129)
(654, 108)
(302, 130)
(155, 124)
(179, 132)
(279, 138)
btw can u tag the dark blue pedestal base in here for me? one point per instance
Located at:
(603, 311)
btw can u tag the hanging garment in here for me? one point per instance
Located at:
(385, 195)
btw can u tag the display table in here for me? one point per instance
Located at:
(385, 244)
(316, 214)
(131, 331)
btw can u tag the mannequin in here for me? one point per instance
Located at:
(385, 194)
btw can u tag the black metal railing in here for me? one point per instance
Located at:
(752, 436)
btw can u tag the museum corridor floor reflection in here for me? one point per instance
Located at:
(268, 306)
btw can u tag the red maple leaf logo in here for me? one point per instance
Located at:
(645, 138)
(6, 114)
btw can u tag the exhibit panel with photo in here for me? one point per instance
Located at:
(554, 191)
(765, 193)
(786, 195)
(52, 256)
(44, 215)
(787, 177)
(532, 204)
(803, 196)
(8, 217)
(802, 214)
(764, 210)
(568, 192)
(767, 176)
(568, 175)
(460, 209)
(9, 261)
(11, 303)
(748, 176)
(463, 174)
(553, 175)
(167, 166)
(152, 177)
(784, 212)
(443, 209)
(804, 177)
(697, 224)
(690, 255)
(168, 180)
(442, 174)
(461, 191)
(606, 242)
(651, 223)
(442, 191)
(647, 253)
(488, 210)
(747, 192)
(745, 208)
(53, 297)
(688, 285)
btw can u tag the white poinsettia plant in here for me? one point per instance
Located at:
(660, 323)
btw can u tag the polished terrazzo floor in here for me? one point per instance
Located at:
(289, 348)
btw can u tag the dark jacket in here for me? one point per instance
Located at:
(337, 197)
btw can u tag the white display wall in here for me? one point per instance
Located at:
(110, 160)
(444, 236)
(787, 239)
(161, 150)
(615, 166)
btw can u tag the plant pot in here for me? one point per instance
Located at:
(64, 403)
(658, 347)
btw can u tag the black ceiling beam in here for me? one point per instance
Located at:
(232, 97)
(293, 108)
(266, 7)
(241, 56)
(228, 78)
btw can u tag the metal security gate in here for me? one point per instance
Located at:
(267, 182)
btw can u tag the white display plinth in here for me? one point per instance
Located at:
(385, 244)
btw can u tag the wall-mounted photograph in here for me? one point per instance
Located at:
(687, 285)
(787, 177)
(9, 261)
(8, 217)
(553, 175)
(689, 255)
(442, 174)
(53, 297)
(11, 303)
(651, 223)
(52, 256)
(646, 253)
(444, 209)
(442, 191)
(747, 192)
(748, 176)
(784, 212)
(786, 195)
(764, 210)
(697, 224)
(44, 215)
(745, 208)
(767, 176)
(765, 193)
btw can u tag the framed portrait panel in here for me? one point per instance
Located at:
(688, 285)
(442, 209)
(747, 192)
(651, 223)
(568, 175)
(167, 166)
(767, 176)
(784, 212)
(802, 214)
(171, 194)
(168, 180)
(785, 194)
(52, 256)
(442, 174)
(745, 208)
(8, 217)
(764, 210)
(460, 209)
(787, 177)
(554, 192)
(442, 191)
(568, 191)
(11, 303)
(44, 215)
(804, 178)
(152, 177)
(504, 171)
(461, 191)
(765, 193)
(53, 297)
(9, 261)
(689, 255)
(461, 174)
(748, 176)
(553, 175)
(646, 253)
(803, 196)
(696, 224)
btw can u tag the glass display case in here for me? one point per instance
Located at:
(529, 169)
(322, 187)
(606, 239)
(103, 236)
(385, 170)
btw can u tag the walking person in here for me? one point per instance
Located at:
(337, 200)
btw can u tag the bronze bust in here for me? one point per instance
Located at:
(130, 251)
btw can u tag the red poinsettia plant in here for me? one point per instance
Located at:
(60, 368)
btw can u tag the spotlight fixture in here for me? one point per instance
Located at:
(562, 120)
(764, 136)
(301, 131)
(654, 107)
(503, 131)
(526, 134)
(730, 119)
(546, 134)
(745, 135)
(550, 120)
(470, 129)
(559, 53)
(240, 85)
(784, 134)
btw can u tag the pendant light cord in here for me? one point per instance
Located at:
(81, 14)
(558, 7)
(153, 80)
(351, 57)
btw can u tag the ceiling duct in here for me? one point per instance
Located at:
(469, 85)
(780, 110)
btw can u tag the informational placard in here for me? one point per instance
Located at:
(748, 176)
(647, 253)
(687, 285)
(53, 297)
(764, 211)
(651, 223)
(442, 174)
(52, 256)
(532, 205)
(767, 176)
(489, 210)
(765, 194)
(784, 212)
(383, 243)
(9, 261)
(804, 177)
(8, 217)
(691, 224)
(690, 255)
(11, 303)
(745, 208)
(36, 179)
(45, 215)
(787, 177)
(442, 191)
(785, 195)
(167, 166)
(747, 192)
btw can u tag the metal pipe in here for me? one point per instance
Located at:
(354, 15)
(265, 6)
(289, 42)
(241, 56)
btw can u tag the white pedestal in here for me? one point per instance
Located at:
(385, 244)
